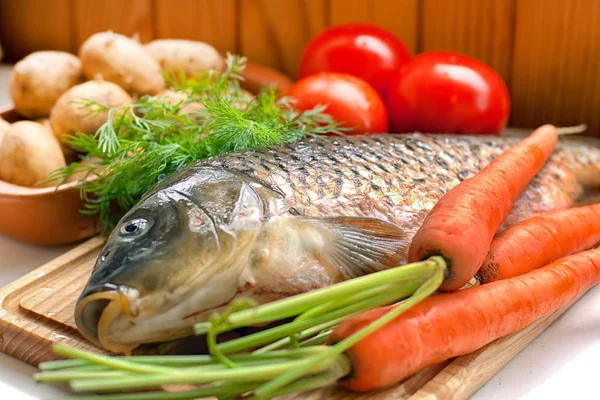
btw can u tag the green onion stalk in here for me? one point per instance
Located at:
(288, 358)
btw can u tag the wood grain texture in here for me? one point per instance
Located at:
(400, 16)
(131, 18)
(211, 21)
(274, 32)
(556, 63)
(482, 29)
(30, 25)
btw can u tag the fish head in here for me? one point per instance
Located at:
(185, 244)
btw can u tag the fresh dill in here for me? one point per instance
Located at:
(157, 135)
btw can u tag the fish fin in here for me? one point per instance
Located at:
(360, 246)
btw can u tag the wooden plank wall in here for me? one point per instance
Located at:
(548, 51)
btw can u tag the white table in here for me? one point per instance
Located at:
(562, 363)
(16, 260)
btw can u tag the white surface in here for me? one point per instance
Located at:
(16, 260)
(562, 363)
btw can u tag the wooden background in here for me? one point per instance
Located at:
(548, 51)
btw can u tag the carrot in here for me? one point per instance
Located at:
(451, 324)
(537, 241)
(461, 226)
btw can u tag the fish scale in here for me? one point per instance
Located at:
(398, 178)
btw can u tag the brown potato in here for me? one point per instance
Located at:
(68, 152)
(38, 80)
(95, 163)
(28, 154)
(45, 122)
(190, 57)
(172, 97)
(68, 117)
(119, 59)
(4, 124)
(190, 108)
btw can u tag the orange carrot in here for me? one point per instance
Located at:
(537, 241)
(451, 324)
(461, 226)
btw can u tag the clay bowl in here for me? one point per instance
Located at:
(50, 216)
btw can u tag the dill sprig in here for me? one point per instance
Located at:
(149, 139)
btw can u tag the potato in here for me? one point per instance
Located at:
(95, 163)
(28, 154)
(172, 97)
(38, 80)
(188, 56)
(68, 118)
(4, 124)
(190, 107)
(45, 122)
(68, 152)
(121, 60)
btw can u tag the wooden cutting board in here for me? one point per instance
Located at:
(37, 311)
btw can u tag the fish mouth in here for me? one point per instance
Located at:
(101, 318)
(117, 319)
(96, 312)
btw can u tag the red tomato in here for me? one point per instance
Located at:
(366, 51)
(349, 100)
(444, 92)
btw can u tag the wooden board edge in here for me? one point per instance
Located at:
(32, 347)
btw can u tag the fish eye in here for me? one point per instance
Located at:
(135, 227)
